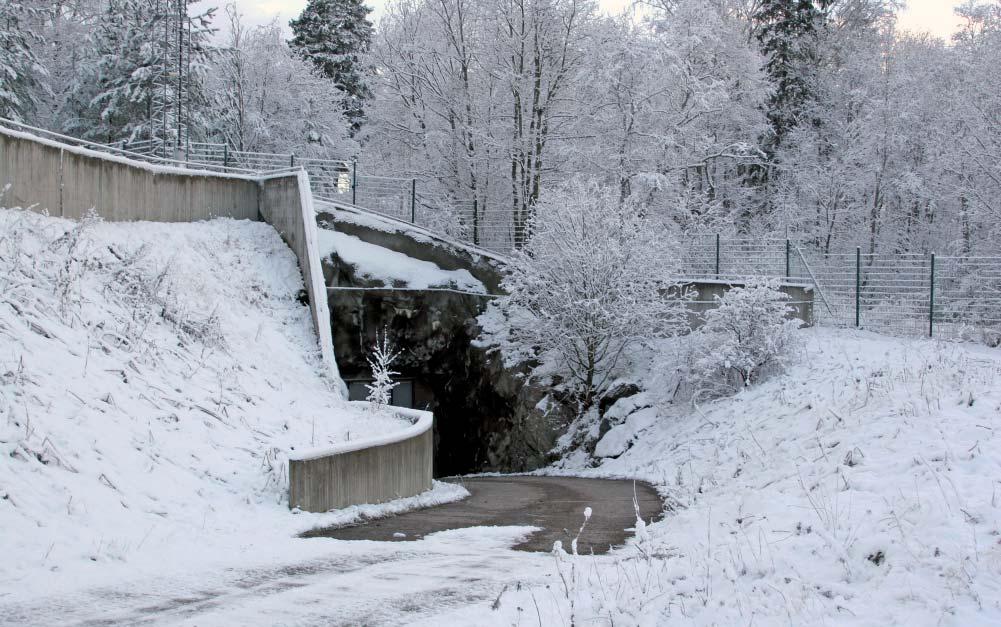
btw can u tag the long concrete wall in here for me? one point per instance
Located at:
(69, 181)
(366, 471)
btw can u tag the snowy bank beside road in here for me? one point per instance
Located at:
(863, 487)
(154, 379)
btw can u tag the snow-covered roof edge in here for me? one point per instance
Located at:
(423, 420)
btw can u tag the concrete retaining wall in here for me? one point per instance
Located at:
(414, 242)
(365, 471)
(800, 300)
(286, 203)
(69, 181)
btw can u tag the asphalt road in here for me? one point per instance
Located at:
(555, 504)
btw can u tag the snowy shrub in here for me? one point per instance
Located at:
(746, 332)
(380, 391)
(590, 282)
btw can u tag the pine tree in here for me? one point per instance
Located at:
(787, 31)
(19, 68)
(148, 78)
(334, 34)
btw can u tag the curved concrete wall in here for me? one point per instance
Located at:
(365, 471)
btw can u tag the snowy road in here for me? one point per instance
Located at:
(371, 582)
(351, 584)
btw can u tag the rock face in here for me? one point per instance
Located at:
(486, 417)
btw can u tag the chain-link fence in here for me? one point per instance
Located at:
(903, 294)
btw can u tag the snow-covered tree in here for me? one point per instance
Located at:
(66, 55)
(678, 106)
(380, 391)
(147, 76)
(335, 35)
(748, 330)
(20, 72)
(788, 33)
(592, 281)
(268, 99)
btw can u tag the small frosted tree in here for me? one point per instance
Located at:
(380, 391)
(592, 280)
(748, 331)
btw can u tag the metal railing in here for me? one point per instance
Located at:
(408, 199)
(118, 149)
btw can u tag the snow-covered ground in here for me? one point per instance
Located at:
(153, 380)
(863, 487)
(142, 435)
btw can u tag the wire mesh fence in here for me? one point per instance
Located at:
(954, 297)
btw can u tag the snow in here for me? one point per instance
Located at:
(346, 212)
(154, 379)
(393, 268)
(421, 422)
(860, 488)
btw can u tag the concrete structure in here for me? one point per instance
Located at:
(286, 203)
(68, 181)
(800, 299)
(365, 471)
(414, 242)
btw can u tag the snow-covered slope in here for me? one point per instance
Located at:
(153, 380)
(863, 487)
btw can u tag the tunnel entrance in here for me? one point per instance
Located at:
(485, 416)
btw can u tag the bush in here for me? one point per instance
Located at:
(746, 334)
(590, 282)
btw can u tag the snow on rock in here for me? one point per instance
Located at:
(153, 380)
(620, 437)
(393, 268)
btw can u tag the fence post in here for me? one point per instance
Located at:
(476, 222)
(717, 255)
(788, 273)
(354, 179)
(931, 299)
(291, 161)
(858, 286)
(413, 201)
(225, 156)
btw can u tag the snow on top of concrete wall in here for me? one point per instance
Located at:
(393, 268)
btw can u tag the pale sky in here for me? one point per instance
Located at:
(934, 16)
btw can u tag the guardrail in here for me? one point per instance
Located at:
(373, 470)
